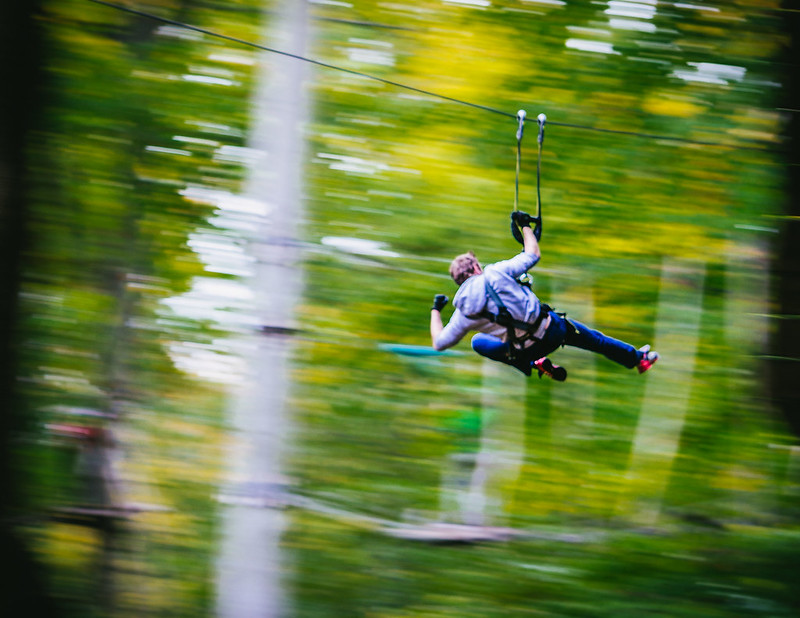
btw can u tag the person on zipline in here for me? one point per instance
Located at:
(513, 326)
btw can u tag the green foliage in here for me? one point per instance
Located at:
(431, 179)
(124, 130)
(128, 131)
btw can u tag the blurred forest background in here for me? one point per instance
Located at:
(132, 308)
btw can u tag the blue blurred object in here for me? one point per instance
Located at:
(415, 350)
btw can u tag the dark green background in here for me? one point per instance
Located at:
(106, 232)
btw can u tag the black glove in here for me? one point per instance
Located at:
(522, 219)
(439, 302)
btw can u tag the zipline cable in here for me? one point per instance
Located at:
(326, 65)
(485, 108)
(655, 136)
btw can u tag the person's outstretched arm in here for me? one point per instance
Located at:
(436, 325)
(439, 301)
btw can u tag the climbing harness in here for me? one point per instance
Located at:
(504, 318)
(541, 119)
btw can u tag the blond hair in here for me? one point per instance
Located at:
(463, 266)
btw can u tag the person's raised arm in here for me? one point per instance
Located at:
(530, 244)
(530, 236)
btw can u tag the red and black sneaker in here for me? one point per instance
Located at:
(546, 367)
(648, 359)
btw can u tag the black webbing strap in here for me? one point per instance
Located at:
(541, 119)
(520, 131)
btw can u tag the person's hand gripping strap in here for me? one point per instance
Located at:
(520, 219)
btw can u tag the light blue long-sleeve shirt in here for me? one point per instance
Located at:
(471, 299)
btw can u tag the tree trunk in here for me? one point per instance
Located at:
(250, 569)
(784, 356)
(22, 591)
